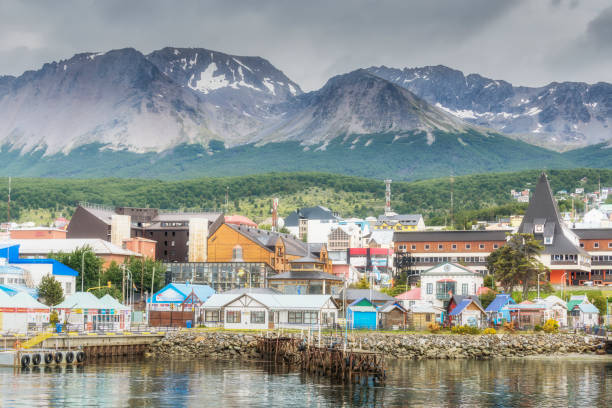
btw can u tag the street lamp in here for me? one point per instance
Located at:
(563, 288)
(541, 273)
(83, 271)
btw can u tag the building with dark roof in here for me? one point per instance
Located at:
(562, 252)
(170, 229)
(313, 224)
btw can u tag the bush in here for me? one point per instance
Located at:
(53, 318)
(537, 328)
(465, 330)
(551, 326)
(489, 330)
(434, 327)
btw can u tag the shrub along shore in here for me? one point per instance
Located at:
(223, 344)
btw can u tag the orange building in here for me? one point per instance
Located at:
(142, 246)
(238, 243)
(38, 233)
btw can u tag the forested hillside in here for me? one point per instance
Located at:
(485, 196)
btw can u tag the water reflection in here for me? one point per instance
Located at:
(189, 383)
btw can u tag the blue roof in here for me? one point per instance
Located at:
(500, 301)
(11, 253)
(203, 292)
(588, 308)
(14, 289)
(459, 308)
(10, 270)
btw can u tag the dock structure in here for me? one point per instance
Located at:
(91, 346)
(357, 366)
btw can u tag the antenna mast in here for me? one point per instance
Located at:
(388, 197)
(452, 214)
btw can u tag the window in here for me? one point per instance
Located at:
(413, 247)
(165, 243)
(481, 246)
(166, 233)
(310, 318)
(430, 288)
(582, 245)
(295, 317)
(211, 316)
(401, 248)
(464, 289)
(454, 246)
(237, 254)
(495, 246)
(440, 246)
(596, 245)
(468, 246)
(548, 240)
(427, 247)
(428, 317)
(68, 287)
(173, 233)
(172, 243)
(258, 317)
(232, 316)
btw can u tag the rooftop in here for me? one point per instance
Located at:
(450, 236)
(47, 246)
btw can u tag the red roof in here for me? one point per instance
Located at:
(239, 220)
(412, 294)
(483, 289)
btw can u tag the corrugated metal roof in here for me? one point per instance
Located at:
(595, 233)
(459, 308)
(588, 308)
(412, 294)
(354, 294)
(24, 300)
(82, 300)
(271, 301)
(113, 303)
(499, 302)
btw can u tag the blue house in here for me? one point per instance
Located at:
(173, 295)
(29, 272)
(496, 311)
(362, 314)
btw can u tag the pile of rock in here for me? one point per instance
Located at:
(412, 346)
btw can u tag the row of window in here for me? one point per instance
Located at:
(448, 288)
(596, 244)
(259, 317)
(413, 247)
(601, 258)
(17, 281)
(441, 259)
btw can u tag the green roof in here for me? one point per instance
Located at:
(573, 303)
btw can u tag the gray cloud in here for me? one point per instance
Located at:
(311, 41)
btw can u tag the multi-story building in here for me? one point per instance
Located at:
(562, 252)
(416, 252)
(313, 224)
(170, 229)
(598, 243)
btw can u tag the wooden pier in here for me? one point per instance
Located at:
(355, 366)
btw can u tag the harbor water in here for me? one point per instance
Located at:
(560, 382)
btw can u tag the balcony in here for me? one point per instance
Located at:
(443, 296)
(564, 262)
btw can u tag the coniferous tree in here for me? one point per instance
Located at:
(50, 291)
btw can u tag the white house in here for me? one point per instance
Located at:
(313, 224)
(556, 309)
(268, 311)
(439, 283)
(583, 313)
(22, 313)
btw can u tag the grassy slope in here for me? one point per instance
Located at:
(407, 156)
(251, 195)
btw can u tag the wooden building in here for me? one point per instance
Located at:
(421, 315)
(392, 316)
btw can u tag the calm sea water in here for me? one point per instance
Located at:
(499, 383)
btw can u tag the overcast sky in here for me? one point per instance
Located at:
(527, 42)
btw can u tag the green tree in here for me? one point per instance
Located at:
(362, 284)
(114, 291)
(79, 258)
(489, 281)
(50, 290)
(487, 297)
(516, 263)
(600, 303)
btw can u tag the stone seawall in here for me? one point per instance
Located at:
(221, 345)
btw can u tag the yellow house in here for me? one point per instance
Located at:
(400, 222)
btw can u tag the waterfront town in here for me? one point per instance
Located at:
(311, 270)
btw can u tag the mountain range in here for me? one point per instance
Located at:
(184, 112)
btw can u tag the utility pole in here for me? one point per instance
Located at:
(226, 198)
(83, 271)
(123, 283)
(8, 206)
(152, 283)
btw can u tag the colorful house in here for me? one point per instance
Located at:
(582, 312)
(527, 314)
(421, 315)
(392, 315)
(496, 311)
(173, 296)
(556, 309)
(83, 311)
(466, 310)
(362, 314)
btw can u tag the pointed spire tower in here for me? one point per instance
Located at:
(562, 252)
